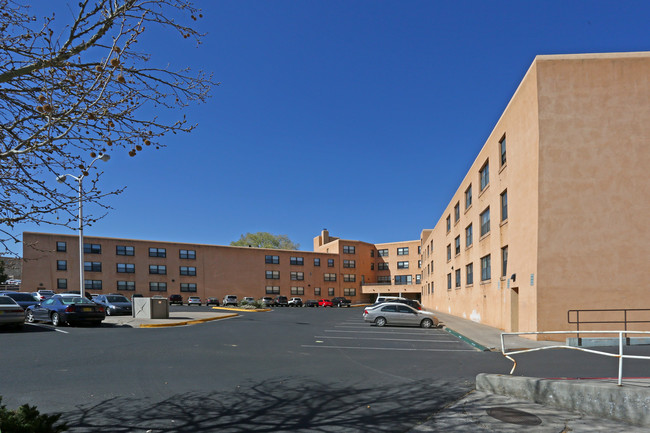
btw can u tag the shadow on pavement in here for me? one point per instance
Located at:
(274, 406)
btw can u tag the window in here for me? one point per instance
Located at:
(485, 222)
(157, 252)
(158, 287)
(272, 290)
(92, 284)
(419, 249)
(468, 197)
(122, 250)
(504, 261)
(272, 275)
(457, 282)
(418, 279)
(502, 148)
(448, 252)
(403, 279)
(372, 266)
(448, 223)
(158, 269)
(350, 292)
(457, 245)
(92, 249)
(330, 263)
(316, 291)
(93, 266)
(330, 291)
(125, 268)
(372, 253)
(469, 274)
(61, 265)
(61, 246)
(330, 277)
(62, 283)
(297, 261)
(297, 290)
(316, 262)
(126, 285)
(382, 266)
(349, 278)
(272, 259)
(383, 279)
(297, 276)
(349, 264)
(448, 281)
(486, 273)
(484, 175)
(188, 270)
(504, 205)
(457, 212)
(403, 251)
(188, 287)
(348, 249)
(469, 236)
(419, 264)
(187, 254)
(402, 265)
(382, 253)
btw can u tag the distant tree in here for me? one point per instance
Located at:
(265, 240)
(3, 276)
(74, 86)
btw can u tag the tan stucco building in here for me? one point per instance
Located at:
(554, 212)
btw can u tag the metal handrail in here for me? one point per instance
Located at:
(600, 322)
(620, 355)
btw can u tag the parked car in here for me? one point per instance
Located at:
(114, 304)
(230, 300)
(212, 301)
(325, 303)
(42, 295)
(411, 302)
(311, 303)
(340, 301)
(62, 309)
(295, 302)
(397, 313)
(175, 299)
(194, 300)
(21, 298)
(280, 301)
(11, 314)
(248, 300)
(267, 301)
(381, 299)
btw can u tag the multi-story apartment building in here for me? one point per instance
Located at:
(553, 213)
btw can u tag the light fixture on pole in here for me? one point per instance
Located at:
(79, 179)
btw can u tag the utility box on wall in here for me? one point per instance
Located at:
(150, 308)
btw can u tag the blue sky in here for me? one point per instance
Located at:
(357, 116)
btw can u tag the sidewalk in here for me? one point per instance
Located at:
(175, 319)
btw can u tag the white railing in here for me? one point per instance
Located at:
(620, 355)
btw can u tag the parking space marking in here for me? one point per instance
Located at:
(46, 327)
(390, 339)
(389, 348)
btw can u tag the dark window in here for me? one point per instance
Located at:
(297, 261)
(297, 290)
(486, 272)
(93, 266)
(448, 252)
(468, 196)
(383, 279)
(457, 272)
(126, 285)
(349, 264)
(418, 279)
(62, 283)
(504, 261)
(372, 253)
(330, 291)
(157, 252)
(92, 249)
(272, 275)
(61, 265)
(272, 290)
(469, 274)
(382, 253)
(382, 266)
(158, 269)
(188, 270)
(61, 246)
(349, 249)
(316, 291)
(297, 276)
(92, 284)
(403, 279)
(125, 268)
(457, 212)
(330, 263)
(330, 277)
(122, 250)
(316, 262)
(350, 292)
(188, 287)
(502, 148)
(448, 223)
(349, 278)
(484, 175)
(274, 260)
(469, 236)
(403, 251)
(402, 265)
(485, 222)
(158, 287)
(457, 244)
(448, 281)
(187, 254)
(504, 205)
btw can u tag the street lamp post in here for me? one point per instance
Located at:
(79, 179)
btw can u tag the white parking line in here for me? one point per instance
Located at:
(390, 339)
(388, 348)
(46, 327)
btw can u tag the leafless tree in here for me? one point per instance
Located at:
(70, 91)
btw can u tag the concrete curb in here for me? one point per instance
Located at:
(630, 404)
(469, 341)
(187, 322)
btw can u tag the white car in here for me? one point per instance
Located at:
(230, 300)
(194, 300)
(295, 302)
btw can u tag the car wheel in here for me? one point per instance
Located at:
(380, 321)
(56, 319)
(426, 323)
(29, 316)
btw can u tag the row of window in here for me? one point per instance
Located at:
(124, 250)
(298, 261)
(402, 251)
(127, 268)
(486, 270)
(296, 291)
(95, 285)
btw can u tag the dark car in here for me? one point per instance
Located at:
(175, 299)
(212, 301)
(311, 303)
(23, 299)
(114, 304)
(62, 309)
(280, 301)
(340, 301)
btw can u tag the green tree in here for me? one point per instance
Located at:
(265, 240)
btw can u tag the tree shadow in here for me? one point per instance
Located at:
(287, 405)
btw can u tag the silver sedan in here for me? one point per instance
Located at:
(395, 313)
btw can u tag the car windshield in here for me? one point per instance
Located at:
(116, 299)
(20, 296)
(6, 300)
(76, 300)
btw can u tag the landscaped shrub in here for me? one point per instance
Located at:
(27, 419)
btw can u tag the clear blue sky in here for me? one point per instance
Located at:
(357, 116)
